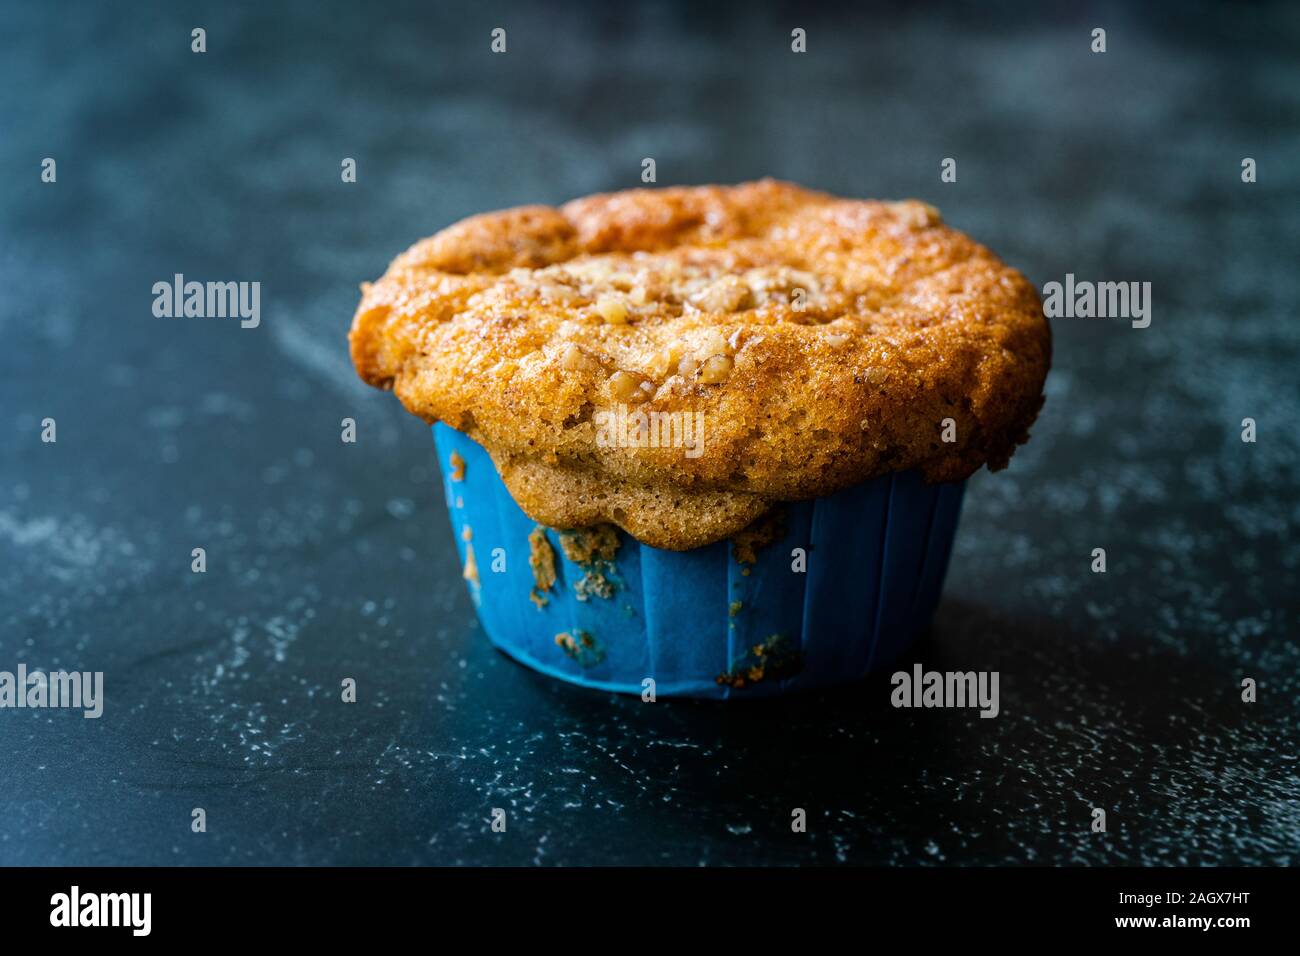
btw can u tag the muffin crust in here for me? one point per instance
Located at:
(824, 340)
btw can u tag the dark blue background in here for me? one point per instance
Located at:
(329, 560)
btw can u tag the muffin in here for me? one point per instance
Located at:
(707, 441)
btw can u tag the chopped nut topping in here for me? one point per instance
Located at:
(714, 344)
(630, 387)
(716, 370)
(914, 214)
(727, 294)
(612, 311)
(664, 362)
(575, 358)
(652, 284)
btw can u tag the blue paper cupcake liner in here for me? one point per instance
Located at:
(701, 623)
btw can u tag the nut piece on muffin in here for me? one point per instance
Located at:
(824, 340)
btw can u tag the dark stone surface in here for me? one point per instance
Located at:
(329, 560)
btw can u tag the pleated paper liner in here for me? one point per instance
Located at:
(864, 581)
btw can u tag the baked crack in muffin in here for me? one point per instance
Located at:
(824, 341)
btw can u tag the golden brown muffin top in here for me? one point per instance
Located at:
(817, 341)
